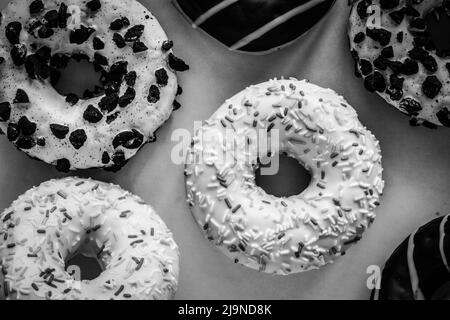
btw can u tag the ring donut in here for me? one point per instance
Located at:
(124, 41)
(284, 235)
(419, 269)
(398, 59)
(251, 26)
(50, 224)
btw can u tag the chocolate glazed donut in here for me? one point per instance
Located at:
(254, 26)
(419, 268)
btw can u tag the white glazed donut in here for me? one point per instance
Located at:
(397, 57)
(123, 40)
(49, 224)
(284, 235)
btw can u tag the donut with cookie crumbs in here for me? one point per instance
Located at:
(105, 128)
(397, 57)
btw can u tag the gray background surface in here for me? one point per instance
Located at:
(416, 162)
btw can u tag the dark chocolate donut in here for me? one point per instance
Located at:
(255, 26)
(419, 268)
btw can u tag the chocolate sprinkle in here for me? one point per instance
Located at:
(94, 5)
(161, 77)
(117, 71)
(119, 40)
(176, 105)
(45, 32)
(36, 6)
(409, 67)
(118, 159)
(25, 143)
(40, 142)
(119, 24)
(397, 16)
(59, 60)
(380, 35)
(18, 54)
(79, 36)
(12, 132)
(78, 138)
(5, 111)
(51, 18)
(112, 117)
(179, 90)
(13, 30)
(72, 99)
(105, 158)
(139, 46)
(63, 165)
(360, 37)
(127, 98)
(100, 59)
(411, 106)
(365, 67)
(128, 139)
(431, 87)
(21, 97)
(59, 131)
(167, 45)
(26, 126)
(98, 43)
(177, 64)
(130, 78)
(109, 102)
(92, 114)
(62, 16)
(444, 116)
(375, 82)
(134, 33)
(154, 94)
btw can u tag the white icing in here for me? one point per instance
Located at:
(54, 220)
(74, 21)
(325, 136)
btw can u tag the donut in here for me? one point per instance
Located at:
(283, 235)
(49, 224)
(397, 57)
(124, 41)
(254, 26)
(419, 268)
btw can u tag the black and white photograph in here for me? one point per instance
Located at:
(226, 155)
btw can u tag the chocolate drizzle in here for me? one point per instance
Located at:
(419, 267)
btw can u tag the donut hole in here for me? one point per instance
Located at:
(80, 77)
(290, 179)
(438, 26)
(86, 262)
